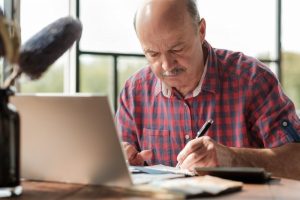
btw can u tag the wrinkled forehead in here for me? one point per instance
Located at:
(163, 43)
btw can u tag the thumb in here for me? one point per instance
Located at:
(146, 154)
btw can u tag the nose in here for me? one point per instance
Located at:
(167, 62)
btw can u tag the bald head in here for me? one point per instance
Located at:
(169, 12)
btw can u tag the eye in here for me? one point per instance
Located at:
(178, 50)
(152, 54)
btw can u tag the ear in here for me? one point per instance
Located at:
(202, 30)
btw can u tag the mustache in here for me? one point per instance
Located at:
(174, 71)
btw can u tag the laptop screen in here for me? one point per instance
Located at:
(70, 139)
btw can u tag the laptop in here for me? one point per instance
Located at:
(70, 139)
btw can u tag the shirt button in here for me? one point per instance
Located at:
(284, 123)
(187, 137)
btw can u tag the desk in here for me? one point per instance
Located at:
(284, 189)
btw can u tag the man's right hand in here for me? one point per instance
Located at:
(134, 157)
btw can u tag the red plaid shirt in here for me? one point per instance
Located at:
(238, 92)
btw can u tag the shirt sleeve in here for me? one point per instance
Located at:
(124, 118)
(272, 114)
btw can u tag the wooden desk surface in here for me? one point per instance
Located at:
(277, 189)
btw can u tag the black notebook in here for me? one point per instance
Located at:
(244, 174)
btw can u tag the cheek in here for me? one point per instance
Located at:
(156, 69)
(189, 61)
(184, 61)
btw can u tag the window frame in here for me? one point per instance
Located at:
(72, 73)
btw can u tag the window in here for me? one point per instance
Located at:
(108, 26)
(291, 50)
(34, 16)
(96, 74)
(2, 4)
(128, 66)
(109, 51)
(1, 59)
(232, 24)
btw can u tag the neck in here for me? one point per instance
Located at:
(184, 91)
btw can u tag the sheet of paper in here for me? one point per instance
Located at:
(163, 169)
(142, 178)
(191, 186)
(132, 169)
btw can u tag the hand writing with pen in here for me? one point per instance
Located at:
(199, 152)
(204, 152)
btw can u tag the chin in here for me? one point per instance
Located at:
(174, 83)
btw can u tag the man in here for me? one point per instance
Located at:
(188, 82)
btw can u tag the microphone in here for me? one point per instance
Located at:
(45, 47)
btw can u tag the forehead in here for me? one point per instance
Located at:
(167, 41)
(162, 20)
(166, 36)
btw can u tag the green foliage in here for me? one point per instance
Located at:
(127, 67)
(291, 76)
(96, 76)
(51, 81)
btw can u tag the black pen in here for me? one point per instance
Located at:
(201, 132)
(204, 128)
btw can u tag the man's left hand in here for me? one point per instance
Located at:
(204, 152)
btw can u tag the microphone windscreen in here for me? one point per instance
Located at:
(45, 47)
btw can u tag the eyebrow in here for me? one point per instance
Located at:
(177, 45)
(149, 51)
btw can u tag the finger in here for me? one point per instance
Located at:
(193, 158)
(190, 147)
(208, 158)
(126, 145)
(141, 157)
(206, 161)
(130, 152)
(137, 160)
(146, 154)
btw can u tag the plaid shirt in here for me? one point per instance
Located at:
(238, 92)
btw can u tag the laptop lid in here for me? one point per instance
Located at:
(70, 139)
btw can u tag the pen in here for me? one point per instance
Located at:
(201, 133)
(204, 128)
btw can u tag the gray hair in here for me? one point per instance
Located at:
(192, 10)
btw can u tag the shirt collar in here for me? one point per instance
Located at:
(161, 87)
